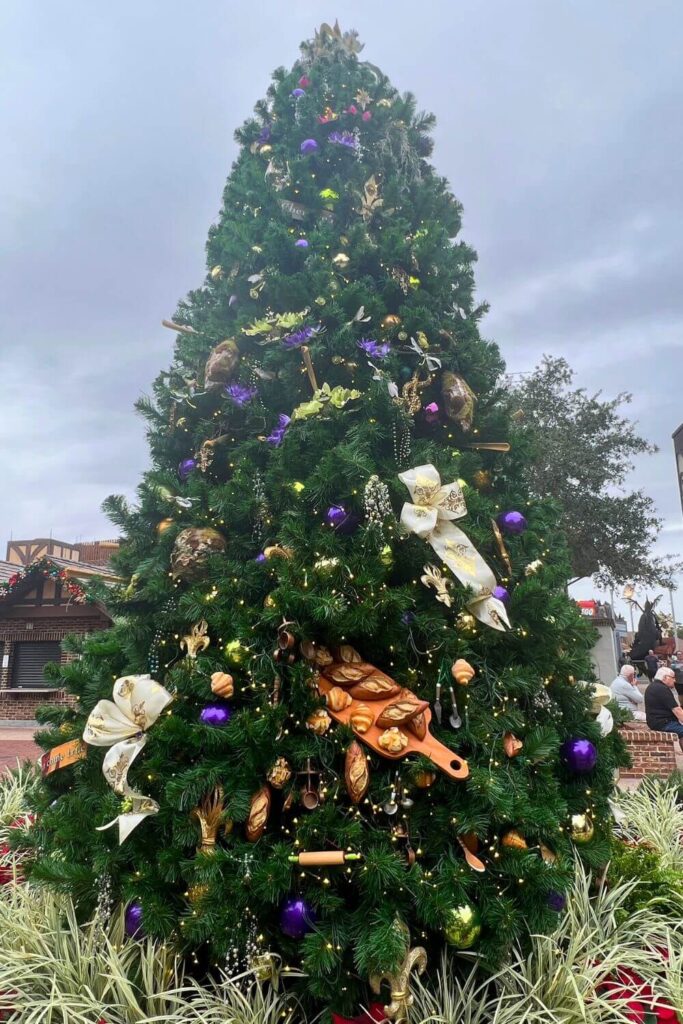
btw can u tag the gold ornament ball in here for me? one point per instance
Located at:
(423, 780)
(298, 487)
(198, 892)
(482, 480)
(163, 525)
(269, 602)
(463, 926)
(386, 555)
(390, 321)
(236, 652)
(326, 566)
(216, 272)
(66, 728)
(582, 828)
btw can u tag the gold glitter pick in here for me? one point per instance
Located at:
(196, 641)
(489, 446)
(501, 546)
(209, 814)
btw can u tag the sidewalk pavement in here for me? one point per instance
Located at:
(16, 744)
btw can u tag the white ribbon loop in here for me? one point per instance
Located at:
(121, 725)
(430, 515)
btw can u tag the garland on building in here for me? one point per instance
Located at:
(45, 568)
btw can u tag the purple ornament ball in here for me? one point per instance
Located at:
(557, 901)
(133, 920)
(431, 412)
(186, 467)
(512, 522)
(308, 146)
(408, 618)
(340, 520)
(301, 243)
(579, 755)
(298, 93)
(297, 918)
(501, 594)
(260, 558)
(215, 714)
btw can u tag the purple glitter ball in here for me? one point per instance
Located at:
(301, 243)
(512, 522)
(297, 918)
(340, 520)
(133, 920)
(579, 755)
(215, 714)
(186, 467)
(308, 146)
(557, 901)
(501, 594)
(260, 558)
(298, 93)
(408, 618)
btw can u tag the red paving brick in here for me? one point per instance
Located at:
(17, 744)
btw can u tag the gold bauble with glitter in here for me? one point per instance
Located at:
(163, 525)
(482, 480)
(390, 321)
(423, 780)
(269, 602)
(197, 892)
(463, 926)
(216, 273)
(582, 829)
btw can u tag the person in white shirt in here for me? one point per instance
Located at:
(627, 694)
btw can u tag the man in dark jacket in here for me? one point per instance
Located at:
(662, 708)
(651, 662)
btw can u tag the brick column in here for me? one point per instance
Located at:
(652, 753)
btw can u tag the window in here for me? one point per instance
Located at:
(28, 662)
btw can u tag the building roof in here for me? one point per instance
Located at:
(82, 570)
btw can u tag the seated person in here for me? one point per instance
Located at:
(627, 694)
(663, 711)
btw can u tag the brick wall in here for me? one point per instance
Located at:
(652, 753)
(20, 705)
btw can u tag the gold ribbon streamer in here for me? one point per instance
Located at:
(430, 515)
(121, 725)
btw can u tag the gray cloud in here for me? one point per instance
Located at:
(557, 126)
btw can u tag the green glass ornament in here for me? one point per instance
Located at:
(463, 926)
(236, 652)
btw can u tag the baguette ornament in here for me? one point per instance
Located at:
(356, 774)
(259, 813)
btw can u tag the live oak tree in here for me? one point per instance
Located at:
(333, 345)
(582, 448)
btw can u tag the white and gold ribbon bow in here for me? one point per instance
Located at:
(122, 725)
(430, 515)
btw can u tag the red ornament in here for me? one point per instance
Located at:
(374, 1014)
(366, 115)
(304, 82)
(351, 110)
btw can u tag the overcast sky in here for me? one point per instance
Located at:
(559, 127)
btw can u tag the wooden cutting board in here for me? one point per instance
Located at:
(443, 757)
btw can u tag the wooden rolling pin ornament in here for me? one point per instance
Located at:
(323, 858)
(400, 719)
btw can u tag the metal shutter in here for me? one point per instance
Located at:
(29, 660)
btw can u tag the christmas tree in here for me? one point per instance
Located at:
(341, 710)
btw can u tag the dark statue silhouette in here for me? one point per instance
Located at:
(649, 633)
